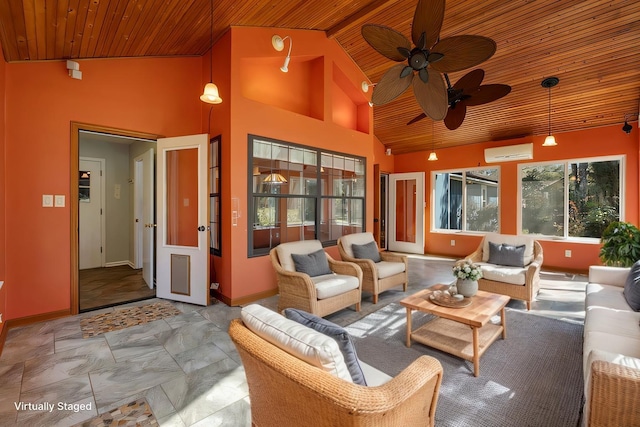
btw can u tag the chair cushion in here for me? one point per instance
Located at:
(358, 238)
(366, 251)
(503, 254)
(336, 332)
(330, 285)
(300, 341)
(313, 264)
(508, 239)
(497, 273)
(632, 287)
(388, 268)
(284, 251)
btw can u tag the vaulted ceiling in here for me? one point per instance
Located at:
(590, 45)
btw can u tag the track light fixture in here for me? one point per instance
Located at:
(278, 44)
(548, 83)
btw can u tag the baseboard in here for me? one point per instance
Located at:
(244, 300)
(118, 264)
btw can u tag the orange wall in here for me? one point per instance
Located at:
(572, 145)
(248, 276)
(3, 245)
(148, 95)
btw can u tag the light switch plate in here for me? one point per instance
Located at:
(47, 200)
(59, 201)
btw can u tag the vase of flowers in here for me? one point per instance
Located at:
(467, 274)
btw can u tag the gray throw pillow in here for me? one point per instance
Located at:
(313, 264)
(631, 290)
(336, 332)
(366, 251)
(508, 255)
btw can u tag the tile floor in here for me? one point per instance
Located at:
(185, 366)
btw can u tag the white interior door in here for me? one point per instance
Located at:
(406, 212)
(90, 211)
(145, 221)
(182, 252)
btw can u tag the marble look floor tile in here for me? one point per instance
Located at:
(235, 415)
(188, 318)
(75, 340)
(156, 397)
(124, 379)
(185, 307)
(136, 348)
(221, 314)
(67, 391)
(11, 376)
(23, 347)
(172, 420)
(188, 336)
(135, 333)
(199, 357)
(52, 368)
(205, 391)
(63, 414)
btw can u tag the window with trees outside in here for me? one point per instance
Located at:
(302, 193)
(466, 200)
(214, 196)
(571, 199)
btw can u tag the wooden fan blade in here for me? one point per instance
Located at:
(386, 41)
(391, 85)
(487, 93)
(462, 52)
(432, 96)
(455, 116)
(416, 119)
(470, 81)
(428, 20)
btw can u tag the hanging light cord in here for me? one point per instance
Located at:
(211, 44)
(549, 110)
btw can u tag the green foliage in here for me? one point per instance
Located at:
(620, 244)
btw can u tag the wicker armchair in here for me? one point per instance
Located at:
(299, 290)
(525, 292)
(286, 391)
(376, 277)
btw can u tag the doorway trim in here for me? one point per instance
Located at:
(74, 164)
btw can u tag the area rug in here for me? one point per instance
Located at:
(533, 378)
(136, 413)
(126, 317)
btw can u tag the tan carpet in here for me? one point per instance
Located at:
(136, 413)
(126, 317)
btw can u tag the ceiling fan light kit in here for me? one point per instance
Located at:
(548, 83)
(278, 44)
(210, 94)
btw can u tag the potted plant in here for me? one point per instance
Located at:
(620, 244)
(467, 274)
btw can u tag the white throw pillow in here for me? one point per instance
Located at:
(298, 340)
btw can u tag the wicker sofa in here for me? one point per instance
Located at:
(287, 391)
(611, 351)
(521, 283)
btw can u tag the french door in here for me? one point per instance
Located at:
(406, 212)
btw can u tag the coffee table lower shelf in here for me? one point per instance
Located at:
(456, 338)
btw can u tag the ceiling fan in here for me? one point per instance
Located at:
(429, 57)
(467, 92)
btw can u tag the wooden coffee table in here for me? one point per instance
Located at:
(463, 332)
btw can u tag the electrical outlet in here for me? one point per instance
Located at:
(453, 242)
(567, 253)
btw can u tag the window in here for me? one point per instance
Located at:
(570, 199)
(302, 193)
(466, 200)
(214, 196)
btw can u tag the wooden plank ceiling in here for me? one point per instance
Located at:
(590, 45)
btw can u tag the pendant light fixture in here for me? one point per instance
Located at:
(211, 94)
(432, 156)
(275, 178)
(548, 83)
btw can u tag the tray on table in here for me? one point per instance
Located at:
(447, 300)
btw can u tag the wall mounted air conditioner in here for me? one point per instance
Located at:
(509, 153)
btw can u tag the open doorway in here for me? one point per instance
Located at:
(112, 227)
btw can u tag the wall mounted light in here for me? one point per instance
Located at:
(626, 128)
(548, 83)
(278, 44)
(366, 85)
(210, 95)
(74, 70)
(388, 152)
